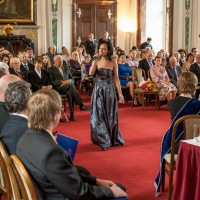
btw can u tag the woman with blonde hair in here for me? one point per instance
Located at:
(45, 62)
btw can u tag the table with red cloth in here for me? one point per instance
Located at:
(187, 184)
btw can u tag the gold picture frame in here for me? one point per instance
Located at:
(18, 12)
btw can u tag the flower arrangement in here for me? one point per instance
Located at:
(150, 86)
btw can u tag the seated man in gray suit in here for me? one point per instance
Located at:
(49, 165)
(4, 81)
(173, 70)
(16, 97)
(62, 80)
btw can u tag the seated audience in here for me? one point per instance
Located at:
(4, 68)
(189, 60)
(186, 88)
(146, 63)
(195, 69)
(51, 53)
(125, 73)
(159, 75)
(16, 97)
(65, 54)
(4, 81)
(178, 57)
(25, 66)
(57, 177)
(30, 55)
(62, 80)
(46, 64)
(187, 83)
(85, 67)
(17, 70)
(74, 64)
(163, 63)
(132, 60)
(173, 70)
(38, 78)
(183, 54)
(6, 59)
(195, 51)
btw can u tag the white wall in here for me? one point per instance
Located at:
(126, 24)
(155, 23)
(44, 17)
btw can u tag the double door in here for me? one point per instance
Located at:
(94, 17)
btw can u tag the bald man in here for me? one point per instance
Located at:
(4, 81)
(173, 70)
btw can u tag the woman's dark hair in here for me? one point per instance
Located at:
(189, 54)
(122, 53)
(110, 48)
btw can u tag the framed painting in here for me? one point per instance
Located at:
(18, 12)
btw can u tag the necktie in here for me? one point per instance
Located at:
(61, 71)
(174, 71)
(150, 63)
(25, 66)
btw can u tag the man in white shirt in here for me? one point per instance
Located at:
(132, 60)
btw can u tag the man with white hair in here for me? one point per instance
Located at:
(4, 69)
(4, 81)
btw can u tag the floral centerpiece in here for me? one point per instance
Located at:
(149, 85)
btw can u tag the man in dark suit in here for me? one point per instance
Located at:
(62, 80)
(16, 97)
(105, 38)
(52, 53)
(195, 68)
(147, 44)
(90, 45)
(25, 65)
(146, 63)
(49, 165)
(173, 70)
(30, 56)
(4, 81)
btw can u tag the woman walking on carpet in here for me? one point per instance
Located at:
(104, 105)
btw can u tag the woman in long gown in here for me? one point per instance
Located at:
(104, 105)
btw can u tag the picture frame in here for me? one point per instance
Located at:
(17, 12)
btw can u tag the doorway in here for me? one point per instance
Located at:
(93, 16)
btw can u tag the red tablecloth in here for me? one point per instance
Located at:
(187, 184)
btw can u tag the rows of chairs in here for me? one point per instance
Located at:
(15, 182)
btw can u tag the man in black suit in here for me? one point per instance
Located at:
(16, 97)
(30, 56)
(25, 65)
(195, 68)
(62, 80)
(49, 165)
(146, 63)
(105, 38)
(173, 70)
(90, 45)
(4, 81)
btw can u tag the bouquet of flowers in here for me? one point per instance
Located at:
(150, 86)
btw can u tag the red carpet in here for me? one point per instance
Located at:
(136, 164)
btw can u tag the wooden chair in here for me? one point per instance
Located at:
(64, 109)
(8, 183)
(142, 94)
(25, 183)
(169, 164)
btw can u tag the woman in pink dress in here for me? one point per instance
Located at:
(159, 75)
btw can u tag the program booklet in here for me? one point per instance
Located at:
(68, 143)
